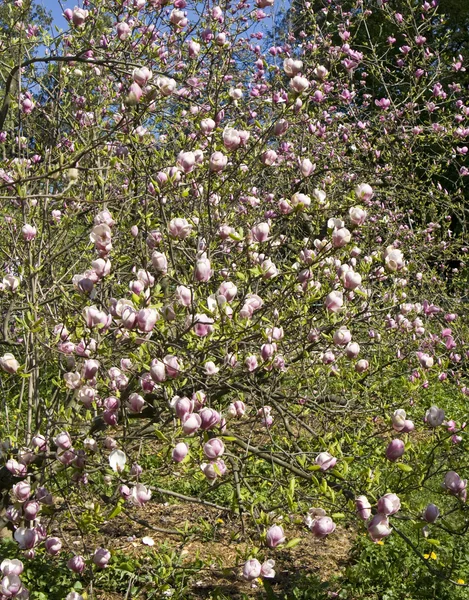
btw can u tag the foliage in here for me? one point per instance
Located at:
(234, 279)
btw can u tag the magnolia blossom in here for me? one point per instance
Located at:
(213, 469)
(300, 201)
(166, 85)
(393, 259)
(275, 536)
(101, 557)
(117, 460)
(389, 504)
(11, 567)
(9, 363)
(214, 448)
(203, 270)
(435, 416)
(260, 233)
(395, 450)
(431, 513)
(180, 452)
(218, 162)
(326, 461)
(292, 67)
(379, 527)
(363, 507)
(398, 419)
(357, 215)
(455, 484)
(252, 569)
(334, 301)
(79, 16)
(299, 84)
(364, 191)
(180, 228)
(322, 526)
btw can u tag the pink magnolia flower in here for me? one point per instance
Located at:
(363, 507)
(218, 162)
(334, 301)
(275, 536)
(180, 452)
(379, 527)
(101, 557)
(322, 526)
(389, 504)
(395, 450)
(325, 461)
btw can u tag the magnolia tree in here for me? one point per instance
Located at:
(239, 257)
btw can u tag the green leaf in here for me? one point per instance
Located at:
(403, 467)
(292, 543)
(433, 542)
(117, 509)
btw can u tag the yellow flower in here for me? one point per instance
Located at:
(432, 556)
(381, 543)
(460, 581)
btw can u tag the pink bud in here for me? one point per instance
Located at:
(379, 527)
(123, 31)
(214, 448)
(76, 564)
(275, 536)
(183, 406)
(299, 84)
(63, 441)
(136, 402)
(322, 526)
(180, 452)
(307, 167)
(53, 546)
(455, 485)
(260, 233)
(159, 262)
(334, 301)
(363, 507)
(79, 16)
(11, 567)
(218, 162)
(362, 366)
(209, 418)
(341, 237)
(395, 450)
(431, 513)
(29, 232)
(203, 270)
(351, 280)
(101, 557)
(252, 569)
(191, 422)
(173, 366)
(21, 491)
(135, 94)
(342, 337)
(9, 363)
(357, 215)
(146, 319)
(389, 504)
(31, 510)
(364, 191)
(325, 461)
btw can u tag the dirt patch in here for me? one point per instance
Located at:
(210, 539)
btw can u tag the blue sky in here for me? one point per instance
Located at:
(54, 7)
